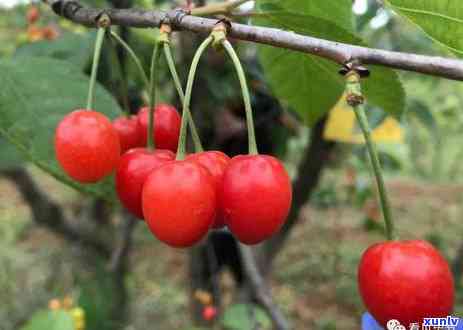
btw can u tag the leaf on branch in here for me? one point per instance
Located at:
(36, 94)
(311, 85)
(72, 47)
(442, 20)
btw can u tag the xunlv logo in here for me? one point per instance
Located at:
(448, 321)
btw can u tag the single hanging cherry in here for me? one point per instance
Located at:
(134, 168)
(87, 146)
(256, 197)
(129, 131)
(166, 126)
(216, 162)
(179, 202)
(406, 281)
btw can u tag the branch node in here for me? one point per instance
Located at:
(103, 20)
(219, 32)
(174, 18)
(164, 35)
(354, 66)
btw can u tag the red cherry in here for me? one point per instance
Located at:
(167, 123)
(216, 162)
(209, 313)
(406, 281)
(256, 197)
(179, 202)
(134, 167)
(87, 145)
(129, 132)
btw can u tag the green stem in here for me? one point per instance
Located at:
(189, 89)
(96, 59)
(353, 88)
(123, 88)
(178, 86)
(134, 57)
(152, 100)
(246, 97)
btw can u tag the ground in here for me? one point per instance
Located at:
(314, 279)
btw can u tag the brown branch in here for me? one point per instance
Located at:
(121, 252)
(49, 214)
(259, 288)
(335, 51)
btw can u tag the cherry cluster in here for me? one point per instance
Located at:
(180, 199)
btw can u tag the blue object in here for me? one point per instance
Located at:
(369, 323)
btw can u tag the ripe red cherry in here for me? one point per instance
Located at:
(167, 123)
(134, 167)
(216, 162)
(87, 145)
(129, 132)
(405, 281)
(179, 202)
(209, 313)
(256, 197)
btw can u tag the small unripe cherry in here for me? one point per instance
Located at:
(134, 168)
(406, 281)
(129, 131)
(167, 123)
(179, 202)
(87, 146)
(256, 196)
(209, 313)
(33, 14)
(216, 162)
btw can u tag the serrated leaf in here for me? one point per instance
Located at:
(36, 94)
(442, 20)
(72, 47)
(245, 316)
(50, 320)
(310, 84)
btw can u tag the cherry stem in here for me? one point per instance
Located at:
(246, 96)
(354, 93)
(152, 100)
(178, 86)
(96, 59)
(123, 80)
(187, 100)
(134, 57)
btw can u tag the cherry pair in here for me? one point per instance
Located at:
(88, 146)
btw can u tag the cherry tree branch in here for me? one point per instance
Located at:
(335, 51)
(260, 289)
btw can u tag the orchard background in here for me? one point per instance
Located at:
(71, 247)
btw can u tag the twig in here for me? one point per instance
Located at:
(119, 256)
(49, 214)
(260, 289)
(334, 51)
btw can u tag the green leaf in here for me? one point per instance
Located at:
(72, 47)
(338, 12)
(50, 320)
(442, 20)
(245, 316)
(311, 85)
(36, 94)
(10, 155)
